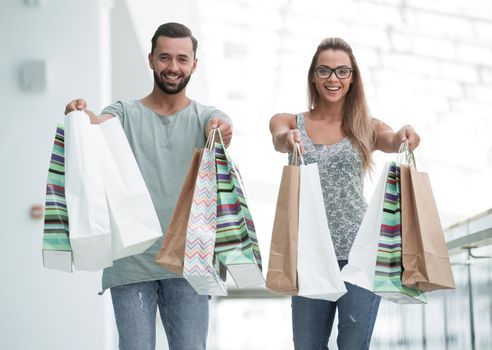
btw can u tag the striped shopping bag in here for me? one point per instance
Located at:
(201, 269)
(57, 252)
(236, 243)
(388, 272)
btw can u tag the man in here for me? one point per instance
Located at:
(162, 128)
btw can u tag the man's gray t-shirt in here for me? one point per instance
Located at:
(163, 147)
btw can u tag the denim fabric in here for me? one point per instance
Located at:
(184, 314)
(312, 319)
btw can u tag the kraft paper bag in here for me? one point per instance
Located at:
(317, 266)
(171, 254)
(57, 252)
(201, 267)
(425, 256)
(282, 265)
(88, 212)
(133, 220)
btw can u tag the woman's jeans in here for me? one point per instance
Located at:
(312, 319)
(184, 314)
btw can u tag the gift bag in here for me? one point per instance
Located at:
(88, 214)
(425, 258)
(133, 220)
(282, 264)
(57, 252)
(201, 268)
(361, 264)
(387, 278)
(171, 254)
(317, 266)
(236, 244)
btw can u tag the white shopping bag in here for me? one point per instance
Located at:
(361, 265)
(88, 214)
(317, 267)
(134, 222)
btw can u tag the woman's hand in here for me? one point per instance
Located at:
(408, 134)
(292, 137)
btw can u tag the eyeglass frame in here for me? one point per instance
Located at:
(333, 70)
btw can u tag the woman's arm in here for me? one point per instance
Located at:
(285, 133)
(389, 141)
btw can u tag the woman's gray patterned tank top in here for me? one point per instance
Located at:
(342, 181)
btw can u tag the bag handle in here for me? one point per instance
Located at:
(405, 156)
(297, 158)
(210, 140)
(232, 164)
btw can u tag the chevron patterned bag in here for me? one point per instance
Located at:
(201, 268)
(171, 254)
(236, 243)
(57, 252)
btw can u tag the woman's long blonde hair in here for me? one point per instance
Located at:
(356, 123)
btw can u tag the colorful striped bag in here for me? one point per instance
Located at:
(57, 252)
(388, 272)
(236, 242)
(201, 267)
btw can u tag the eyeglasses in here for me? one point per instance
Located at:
(342, 72)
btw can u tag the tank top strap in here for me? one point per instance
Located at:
(301, 127)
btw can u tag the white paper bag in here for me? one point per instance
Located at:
(134, 222)
(89, 225)
(361, 264)
(317, 266)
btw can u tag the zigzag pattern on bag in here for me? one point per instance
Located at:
(200, 235)
(56, 233)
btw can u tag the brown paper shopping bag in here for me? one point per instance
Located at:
(171, 255)
(282, 264)
(425, 256)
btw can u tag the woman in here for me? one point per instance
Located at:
(337, 133)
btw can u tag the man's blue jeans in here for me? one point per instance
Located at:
(312, 319)
(184, 314)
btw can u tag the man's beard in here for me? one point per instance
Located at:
(168, 89)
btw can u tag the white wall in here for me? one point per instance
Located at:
(39, 308)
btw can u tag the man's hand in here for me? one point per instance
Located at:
(75, 105)
(224, 127)
(80, 105)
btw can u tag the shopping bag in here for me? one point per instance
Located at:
(134, 223)
(361, 264)
(57, 252)
(426, 264)
(317, 266)
(236, 244)
(201, 269)
(282, 265)
(387, 278)
(88, 213)
(171, 254)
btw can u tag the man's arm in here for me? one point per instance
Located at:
(80, 105)
(225, 129)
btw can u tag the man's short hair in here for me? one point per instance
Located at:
(174, 30)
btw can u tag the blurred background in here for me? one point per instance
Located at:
(427, 63)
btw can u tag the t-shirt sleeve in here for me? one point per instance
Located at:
(212, 112)
(117, 109)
